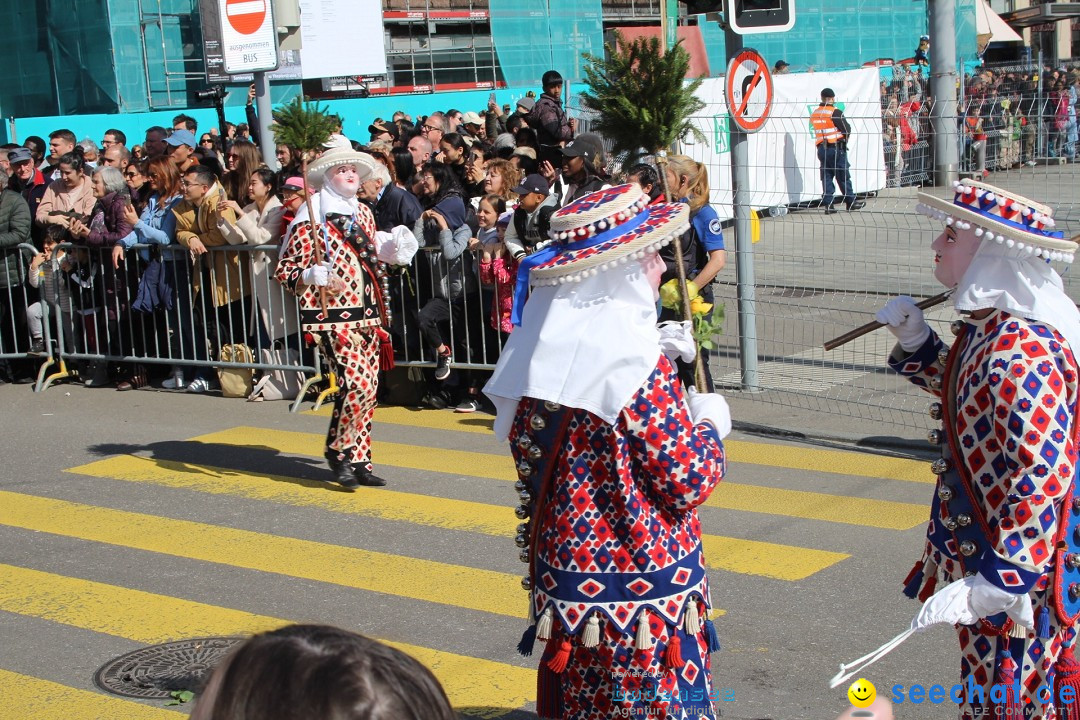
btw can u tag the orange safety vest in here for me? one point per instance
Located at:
(825, 129)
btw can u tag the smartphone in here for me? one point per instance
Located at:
(491, 99)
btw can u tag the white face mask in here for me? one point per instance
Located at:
(344, 180)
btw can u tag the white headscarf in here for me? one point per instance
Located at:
(327, 200)
(589, 344)
(1012, 280)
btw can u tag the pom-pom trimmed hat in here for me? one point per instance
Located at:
(1000, 216)
(364, 163)
(599, 231)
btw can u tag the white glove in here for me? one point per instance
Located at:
(710, 408)
(677, 340)
(396, 247)
(988, 599)
(905, 320)
(949, 605)
(317, 275)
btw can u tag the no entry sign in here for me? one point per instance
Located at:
(749, 90)
(248, 36)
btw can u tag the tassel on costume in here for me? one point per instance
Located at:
(1042, 623)
(548, 691)
(558, 662)
(1011, 705)
(386, 350)
(928, 589)
(590, 638)
(1067, 674)
(528, 639)
(543, 626)
(913, 581)
(644, 640)
(714, 639)
(692, 621)
(673, 655)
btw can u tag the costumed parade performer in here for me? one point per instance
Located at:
(336, 270)
(1001, 558)
(613, 460)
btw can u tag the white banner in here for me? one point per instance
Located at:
(783, 159)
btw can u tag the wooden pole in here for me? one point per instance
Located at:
(871, 326)
(323, 294)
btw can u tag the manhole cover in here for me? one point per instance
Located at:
(152, 673)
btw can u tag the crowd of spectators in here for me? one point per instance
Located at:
(1007, 119)
(140, 246)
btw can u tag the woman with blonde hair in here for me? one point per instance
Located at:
(703, 244)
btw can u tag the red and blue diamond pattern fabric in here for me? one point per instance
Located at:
(619, 535)
(1016, 392)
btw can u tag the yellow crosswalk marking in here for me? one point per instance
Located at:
(454, 585)
(839, 462)
(29, 698)
(742, 556)
(150, 618)
(884, 514)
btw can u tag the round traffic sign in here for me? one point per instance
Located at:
(245, 16)
(749, 90)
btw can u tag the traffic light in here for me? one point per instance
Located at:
(750, 17)
(701, 7)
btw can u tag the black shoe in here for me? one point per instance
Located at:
(831, 210)
(37, 347)
(343, 473)
(857, 205)
(435, 400)
(366, 477)
(442, 366)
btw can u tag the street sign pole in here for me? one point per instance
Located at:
(265, 113)
(745, 291)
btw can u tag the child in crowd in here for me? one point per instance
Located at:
(49, 273)
(497, 266)
(528, 231)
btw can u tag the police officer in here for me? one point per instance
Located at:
(831, 132)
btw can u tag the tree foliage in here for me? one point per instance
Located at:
(641, 95)
(304, 126)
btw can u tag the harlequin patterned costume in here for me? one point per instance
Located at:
(1007, 396)
(1016, 390)
(349, 329)
(619, 596)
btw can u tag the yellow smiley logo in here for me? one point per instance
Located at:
(862, 693)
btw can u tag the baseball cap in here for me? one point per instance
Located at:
(526, 103)
(586, 146)
(295, 184)
(781, 64)
(337, 141)
(534, 183)
(20, 154)
(379, 126)
(471, 118)
(827, 92)
(181, 137)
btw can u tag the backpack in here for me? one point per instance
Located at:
(235, 381)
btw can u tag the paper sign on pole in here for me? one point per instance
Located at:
(248, 36)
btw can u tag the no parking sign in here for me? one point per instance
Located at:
(749, 90)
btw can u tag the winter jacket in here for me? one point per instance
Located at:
(549, 121)
(112, 227)
(14, 230)
(396, 207)
(58, 198)
(529, 231)
(451, 269)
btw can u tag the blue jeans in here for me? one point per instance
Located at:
(834, 164)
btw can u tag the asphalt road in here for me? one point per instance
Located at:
(130, 519)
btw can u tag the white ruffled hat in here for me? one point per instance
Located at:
(364, 163)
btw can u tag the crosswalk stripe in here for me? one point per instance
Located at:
(742, 556)
(453, 585)
(150, 618)
(23, 697)
(837, 462)
(886, 514)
